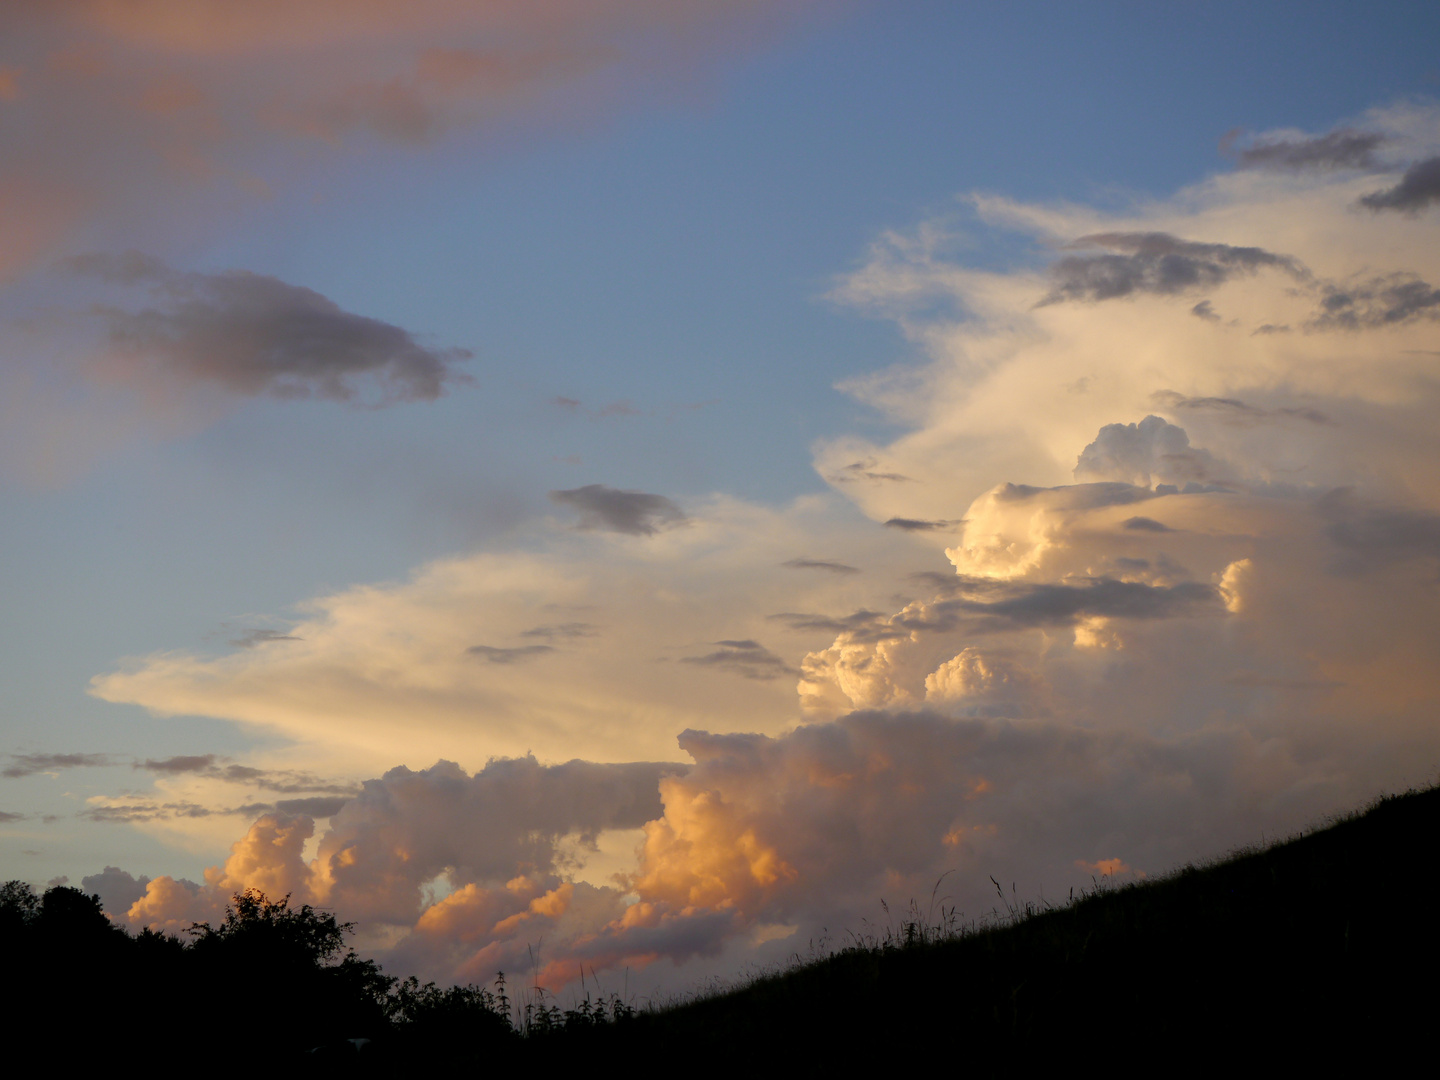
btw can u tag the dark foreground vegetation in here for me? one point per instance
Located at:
(1323, 951)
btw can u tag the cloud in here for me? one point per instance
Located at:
(1155, 263)
(1237, 411)
(635, 513)
(1145, 524)
(206, 765)
(316, 806)
(129, 810)
(747, 658)
(811, 828)
(830, 623)
(1417, 189)
(497, 655)
(506, 827)
(865, 470)
(1152, 451)
(250, 639)
(30, 764)
(150, 126)
(252, 335)
(1380, 301)
(117, 889)
(820, 564)
(917, 525)
(181, 763)
(565, 631)
(1190, 598)
(1343, 148)
(384, 672)
(1372, 536)
(137, 121)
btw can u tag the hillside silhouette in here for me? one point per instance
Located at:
(1314, 952)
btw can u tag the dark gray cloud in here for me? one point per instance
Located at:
(747, 658)
(820, 564)
(1343, 148)
(124, 813)
(257, 335)
(498, 655)
(1010, 606)
(922, 525)
(636, 513)
(1417, 189)
(248, 639)
(9, 815)
(564, 631)
(284, 782)
(117, 889)
(1155, 263)
(986, 605)
(1145, 524)
(1269, 328)
(132, 812)
(181, 763)
(1203, 310)
(30, 764)
(936, 579)
(797, 620)
(1381, 301)
(1087, 496)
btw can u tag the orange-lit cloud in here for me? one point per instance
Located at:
(136, 101)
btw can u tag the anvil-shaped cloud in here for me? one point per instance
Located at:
(1185, 591)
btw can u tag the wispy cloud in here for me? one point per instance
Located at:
(29, 764)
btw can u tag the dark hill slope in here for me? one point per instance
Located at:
(1315, 951)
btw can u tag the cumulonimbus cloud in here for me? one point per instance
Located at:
(1190, 597)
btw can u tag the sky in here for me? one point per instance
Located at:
(626, 486)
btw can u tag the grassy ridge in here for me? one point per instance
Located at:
(1319, 950)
